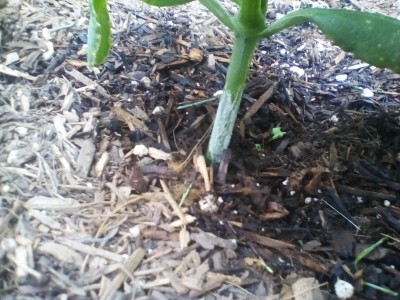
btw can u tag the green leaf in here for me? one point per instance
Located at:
(99, 33)
(374, 38)
(161, 3)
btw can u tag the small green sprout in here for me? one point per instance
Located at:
(197, 103)
(185, 195)
(381, 289)
(266, 266)
(364, 254)
(259, 147)
(277, 133)
(368, 250)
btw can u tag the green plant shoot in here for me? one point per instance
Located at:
(277, 133)
(364, 254)
(374, 38)
(99, 33)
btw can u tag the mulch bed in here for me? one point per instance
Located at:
(105, 191)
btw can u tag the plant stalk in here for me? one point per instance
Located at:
(218, 10)
(243, 49)
(250, 14)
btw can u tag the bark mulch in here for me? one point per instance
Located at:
(105, 192)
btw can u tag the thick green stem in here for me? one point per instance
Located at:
(243, 49)
(250, 15)
(264, 7)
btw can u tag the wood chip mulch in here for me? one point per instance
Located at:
(105, 192)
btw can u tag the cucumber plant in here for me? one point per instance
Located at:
(372, 37)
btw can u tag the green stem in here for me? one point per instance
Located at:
(243, 49)
(219, 11)
(264, 7)
(294, 18)
(250, 15)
